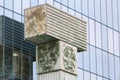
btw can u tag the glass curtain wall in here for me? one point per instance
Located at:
(101, 61)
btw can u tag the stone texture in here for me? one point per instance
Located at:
(56, 55)
(46, 23)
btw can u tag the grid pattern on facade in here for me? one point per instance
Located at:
(101, 60)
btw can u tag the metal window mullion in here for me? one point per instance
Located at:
(3, 41)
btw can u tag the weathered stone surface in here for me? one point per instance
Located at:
(45, 23)
(56, 55)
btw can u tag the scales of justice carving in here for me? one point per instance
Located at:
(58, 37)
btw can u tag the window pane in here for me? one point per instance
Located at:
(93, 77)
(119, 13)
(105, 64)
(41, 1)
(78, 3)
(80, 60)
(8, 4)
(92, 59)
(111, 67)
(64, 8)
(91, 32)
(57, 5)
(49, 2)
(8, 13)
(97, 10)
(1, 11)
(104, 38)
(117, 70)
(116, 43)
(86, 59)
(86, 75)
(109, 13)
(72, 12)
(34, 71)
(71, 4)
(64, 2)
(17, 17)
(115, 15)
(80, 74)
(91, 8)
(34, 2)
(99, 61)
(99, 78)
(1, 2)
(78, 15)
(98, 35)
(103, 11)
(17, 6)
(85, 7)
(26, 4)
(110, 40)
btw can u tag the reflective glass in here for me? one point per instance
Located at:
(98, 35)
(93, 64)
(105, 64)
(91, 32)
(50, 2)
(115, 14)
(93, 77)
(111, 67)
(64, 8)
(25, 4)
(1, 11)
(9, 4)
(103, 11)
(71, 4)
(42, 1)
(64, 2)
(80, 74)
(8, 13)
(104, 38)
(116, 43)
(117, 70)
(91, 8)
(99, 61)
(110, 40)
(78, 3)
(109, 13)
(97, 10)
(86, 75)
(34, 3)
(80, 60)
(86, 60)
(1, 2)
(17, 17)
(85, 7)
(17, 6)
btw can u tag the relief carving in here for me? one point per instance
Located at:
(69, 59)
(47, 56)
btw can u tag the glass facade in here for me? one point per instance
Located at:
(101, 61)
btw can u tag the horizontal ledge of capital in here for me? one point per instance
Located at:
(52, 71)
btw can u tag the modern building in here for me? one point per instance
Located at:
(101, 61)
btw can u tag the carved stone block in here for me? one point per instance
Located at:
(56, 55)
(45, 23)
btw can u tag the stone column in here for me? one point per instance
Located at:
(58, 37)
(56, 60)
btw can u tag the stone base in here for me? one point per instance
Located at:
(57, 75)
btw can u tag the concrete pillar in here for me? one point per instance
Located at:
(56, 60)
